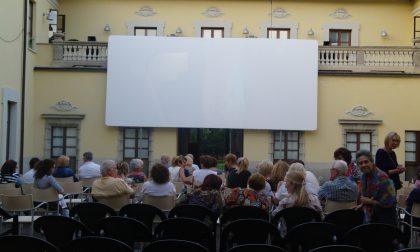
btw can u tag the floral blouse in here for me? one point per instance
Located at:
(247, 197)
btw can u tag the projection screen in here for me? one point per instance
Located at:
(238, 83)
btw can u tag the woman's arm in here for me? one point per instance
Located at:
(184, 179)
(55, 184)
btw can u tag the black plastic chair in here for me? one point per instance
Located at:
(256, 247)
(124, 229)
(335, 248)
(248, 231)
(294, 216)
(96, 243)
(142, 212)
(307, 236)
(195, 212)
(91, 212)
(186, 229)
(174, 245)
(18, 243)
(243, 212)
(60, 230)
(409, 250)
(374, 237)
(344, 220)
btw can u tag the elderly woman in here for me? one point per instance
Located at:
(137, 174)
(8, 173)
(62, 169)
(207, 162)
(44, 180)
(160, 184)
(386, 160)
(378, 198)
(238, 176)
(251, 196)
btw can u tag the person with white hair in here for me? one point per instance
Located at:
(109, 185)
(340, 188)
(136, 171)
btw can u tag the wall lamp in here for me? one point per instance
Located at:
(49, 15)
(107, 28)
(311, 32)
(384, 34)
(178, 31)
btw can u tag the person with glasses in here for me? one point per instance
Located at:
(378, 197)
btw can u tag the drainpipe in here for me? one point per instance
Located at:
(22, 108)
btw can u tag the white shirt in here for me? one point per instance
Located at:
(174, 172)
(267, 190)
(311, 186)
(154, 189)
(28, 177)
(200, 175)
(89, 170)
(195, 167)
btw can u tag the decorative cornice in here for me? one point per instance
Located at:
(212, 12)
(64, 106)
(340, 14)
(280, 13)
(146, 11)
(369, 122)
(359, 111)
(61, 116)
(416, 11)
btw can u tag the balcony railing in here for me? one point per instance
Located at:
(349, 59)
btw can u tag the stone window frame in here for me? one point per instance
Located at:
(159, 25)
(291, 25)
(354, 27)
(226, 25)
(301, 154)
(10, 95)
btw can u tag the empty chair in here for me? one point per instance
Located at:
(60, 230)
(248, 231)
(21, 203)
(185, 229)
(90, 213)
(195, 212)
(72, 189)
(171, 244)
(97, 243)
(331, 206)
(115, 202)
(18, 243)
(243, 212)
(46, 196)
(335, 248)
(125, 229)
(88, 182)
(307, 236)
(145, 213)
(256, 247)
(293, 216)
(344, 220)
(164, 203)
(374, 237)
(409, 250)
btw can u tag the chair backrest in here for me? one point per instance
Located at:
(331, 206)
(185, 229)
(170, 244)
(344, 220)
(124, 229)
(7, 185)
(195, 212)
(11, 191)
(240, 232)
(27, 188)
(407, 190)
(17, 203)
(256, 247)
(17, 243)
(64, 180)
(334, 248)
(88, 182)
(96, 243)
(402, 200)
(116, 202)
(374, 237)
(164, 203)
(294, 216)
(72, 187)
(243, 212)
(60, 230)
(44, 195)
(179, 186)
(142, 212)
(91, 212)
(415, 210)
(307, 236)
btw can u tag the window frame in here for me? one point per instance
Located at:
(64, 146)
(146, 29)
(137, 148)
(339, 36)
(291, 25)
(284, 148)
(278, 32)
(212, 30)
(354, 27)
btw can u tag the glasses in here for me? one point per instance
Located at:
(363, 162)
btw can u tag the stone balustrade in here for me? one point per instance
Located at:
(83, 54)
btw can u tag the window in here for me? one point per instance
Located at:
(411, 145)
(64, 142)
(287, 145)
(277, 33)
(136, 144)
(31, 25)
(145, 31)
(340, 37)
(212, 32)
(356, 141)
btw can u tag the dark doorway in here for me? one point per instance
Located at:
(215, 142)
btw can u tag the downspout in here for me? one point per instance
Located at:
(22, 108)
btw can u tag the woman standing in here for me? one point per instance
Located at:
(386, 160)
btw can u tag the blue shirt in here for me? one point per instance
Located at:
(340, 189)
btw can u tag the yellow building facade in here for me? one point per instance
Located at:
(368, 79)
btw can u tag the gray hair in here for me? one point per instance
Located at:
(298, 167)
(136, 162)
(106, 166)
(365, 153)
(340, 166)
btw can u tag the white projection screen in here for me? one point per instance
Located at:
(232, 83)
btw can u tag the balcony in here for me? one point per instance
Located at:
(363, 59)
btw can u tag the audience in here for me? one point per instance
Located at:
(160, 184)
(194, 166)
(89, 169)
(8, 173)
(176, 171)
(165, 160)
(28, 177)
(136, 168)
(122, 172)
(352, 170)
(230, 163)
(207, 162)
(189, 169)
(238, 177)
(278, 174)
(413, 197)
(265, 168)
(62, 169)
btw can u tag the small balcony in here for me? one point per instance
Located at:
(361, 59)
